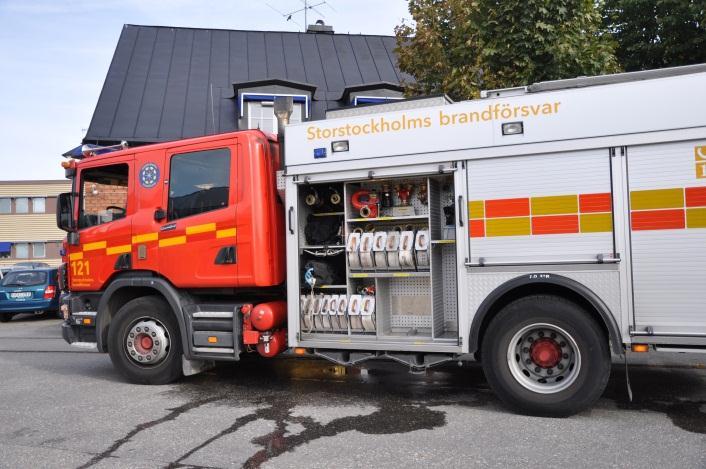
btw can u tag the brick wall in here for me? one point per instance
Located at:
(106, 195)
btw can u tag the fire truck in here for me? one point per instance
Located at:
(541, 230)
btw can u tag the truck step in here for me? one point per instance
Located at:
(215, 330)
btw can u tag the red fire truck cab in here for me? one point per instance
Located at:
(194, 227)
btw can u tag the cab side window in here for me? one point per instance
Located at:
(103, 195)
(198, 182)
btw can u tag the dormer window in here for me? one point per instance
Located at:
(258, 110)
(358, 100)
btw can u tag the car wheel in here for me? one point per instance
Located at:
(144, 341)
(544, 355)
(5, 317)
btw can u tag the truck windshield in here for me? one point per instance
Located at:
(103, 195)
(24, 279)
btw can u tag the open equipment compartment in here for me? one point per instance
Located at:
(396, 276)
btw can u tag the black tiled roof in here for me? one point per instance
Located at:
(164, 82)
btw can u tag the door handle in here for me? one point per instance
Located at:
(460, 210)
(160, 214)
(289, 219)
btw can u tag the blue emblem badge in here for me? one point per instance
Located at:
(149, 175)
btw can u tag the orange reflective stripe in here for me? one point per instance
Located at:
(507, 208)
(557, 224)
(695, 196)
(592, 203)
(658, 220)
(477, 228)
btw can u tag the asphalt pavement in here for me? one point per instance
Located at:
(62, 407)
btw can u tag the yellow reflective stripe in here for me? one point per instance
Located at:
(596, 222)
(476, 209)
(519, 226)
(205, 228)
(696, 218)
(143, 238)
(176, 240)
(76, 256)
(656, 199)
(554, 205)
(227, 233)
(94, 246)
(125, 248)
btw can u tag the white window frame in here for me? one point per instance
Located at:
(256, 121)
(9, 207)
(34, 250)
(44, 204)
(244, 97)
(17, 199)
(17, 250)
(377, 99)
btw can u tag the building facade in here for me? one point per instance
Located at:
(28, 231)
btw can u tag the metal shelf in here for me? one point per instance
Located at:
(443, 241)
(396, 274)
(407, 217)
(327, 214)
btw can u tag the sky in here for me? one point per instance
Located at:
(54, 56)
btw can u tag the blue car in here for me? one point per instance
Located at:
(28, 291)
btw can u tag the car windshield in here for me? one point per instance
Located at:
(24, 279)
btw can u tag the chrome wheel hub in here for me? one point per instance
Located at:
(147, 342)
(544, 358)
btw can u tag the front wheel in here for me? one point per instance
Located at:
(144, 342)
(544, 355)
(5, 317)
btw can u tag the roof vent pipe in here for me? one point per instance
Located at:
(283, 107)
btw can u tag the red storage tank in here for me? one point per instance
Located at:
(274, 344)
(268, 316)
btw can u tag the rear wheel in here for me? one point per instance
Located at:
(544, 355)
(144, 342)
(6, 317)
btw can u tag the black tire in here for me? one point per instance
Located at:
(152, 308)
(511, 373)
(6, 317)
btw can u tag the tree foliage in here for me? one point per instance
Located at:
(657, 33)
(459, 47)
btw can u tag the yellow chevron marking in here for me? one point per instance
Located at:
(476, 209)
(656, 199)
(176, 240)
(519, 226)
(554, 205)
(76, 256)
(124, 249)
(94, 246)
(196, 229)
(143, 238)
(696, 218)
(596, 222)
(227, 233)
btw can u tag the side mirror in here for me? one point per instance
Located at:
(65, 212)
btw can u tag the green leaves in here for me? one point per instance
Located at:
(460, 47)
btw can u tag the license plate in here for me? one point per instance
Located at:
(21, 295)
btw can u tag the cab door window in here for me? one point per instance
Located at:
(103, 195)
(198, 182)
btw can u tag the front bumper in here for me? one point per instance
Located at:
(9, 306)
(75, 334)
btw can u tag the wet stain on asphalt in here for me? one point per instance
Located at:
(403, 402)
(656, 390)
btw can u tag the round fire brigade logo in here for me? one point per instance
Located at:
(149, 175)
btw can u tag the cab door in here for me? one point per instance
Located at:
(105, 205)
(197, 237)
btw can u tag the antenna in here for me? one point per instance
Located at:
(307, 5)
